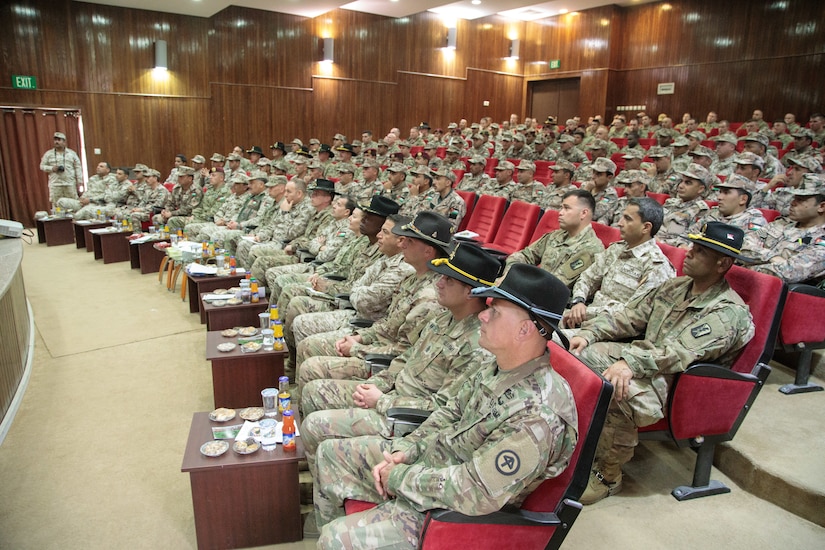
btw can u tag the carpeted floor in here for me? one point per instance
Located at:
(93, 457)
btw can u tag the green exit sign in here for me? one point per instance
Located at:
(23, 82)
(554, 63)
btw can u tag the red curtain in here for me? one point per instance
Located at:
(25, 134)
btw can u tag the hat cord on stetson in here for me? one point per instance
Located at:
(446, 261)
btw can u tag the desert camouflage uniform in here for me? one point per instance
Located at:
(779, 199)
(180, 203)
(205, 211)
(152, 198)
(681, 162)
(620, 275)
(247, 217)
(494, 188)
(666, 182)
(799, 253)
(525, 152)
(532, 193)
(564, 256)
(773, 166)
(417, 203)
(451, 207)
(458, 164)
(549, 154)
(362, 192)
(554, 195)
(62, 184)
(279, 278)
(263, 226)
(606, 201)
(473, 184)
(283, 227)
(425, 377)
(400, 193)
(370, 296)
(679, 215)
(674, 329)
(794, 154)
(574, 154)
(116, 196)
(95, 191)
(332, 237)
(723, 167)
(276, 256)
(461, 458)
(616, 213)
(413, 304)
(750, 219)
(226, 212)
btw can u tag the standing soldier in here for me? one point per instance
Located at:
(64, 170)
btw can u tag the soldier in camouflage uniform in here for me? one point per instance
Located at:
(340, 354)
(687, 319)
(519, 149)
(214, 197)
(666, 179)
(635, 183)
(421, 192)
(679, 149)
(117, 193)
(562, 183)
(452, 160)
(541, 151)
(532, 422)
(779, 198)
(626, 270)
(93, 198)
(479, 148)
(295, 230)
(135, 191)
(153, 198)
(686, 207)
(758, 145)
(603, 192)
(424, 376)
(240, 244)
(64, 170)
(802, 146)
(568, 150)
(725, 155)
(569, 250)
(735, 196)
(794, 249)
(369, 296)
(476, 178)
(527, 189)
(363, 191)
(228, 211)
(184, 198)
(445, 200)
(503, 184)
(255, 204)
(598, 150)
(704, 158)
(395, 187)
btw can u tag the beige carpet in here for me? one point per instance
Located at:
(93, 457)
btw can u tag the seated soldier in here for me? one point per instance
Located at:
(794, 249)
(446, 201)
(693, 318)
(227, 212)
(734, 208)
(778, 193)
(476, 178)
(527, 189)
(93, 200)
(665, 179)
(421, 192)
(426, 238)
(602, 171)
(528, 398)
(183, 199)
(626, 270)
(635, 187)
(725, 155)
(255, 204)
(562, 183)
(569, 250)
(686, 206)
(152, 199)
(502, 185)
(269, 222)
(213, 199)
(394, 187)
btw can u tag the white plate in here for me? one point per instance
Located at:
(226, 346)
(222, 415)
(214, 448)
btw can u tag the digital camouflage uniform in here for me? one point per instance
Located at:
(606, 201)
(573, 154)
(681, 162)
(329, 240)
(417, 203)
(451, 207)
(791, 253)
(749, 219)
(778, 199)
(554, 196)
(666, 182)
(247, 218)
(62, 184)
(524, 152)
(226, 212)
(564, 256)
(461, 458)
(362, 192)
(95, 191)
(411, 306)
(723, 167)
(620, 275)
(152, 198)
(115, 196)
(532, 193)
(400, 193)
(679, 216)
(239, 244)
(283, 228)
(370, 296)
(494, 188)
(473, 184)
(773, 166)
(213, 198)
(424, 377)
(180, 203)
(276, 256)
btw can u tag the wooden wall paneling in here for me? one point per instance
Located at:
(349, 107)
(366, 46)
(504, 92)
(439, 101)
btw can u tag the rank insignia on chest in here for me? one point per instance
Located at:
(577, 264)
(701, 330)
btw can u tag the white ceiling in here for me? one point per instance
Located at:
(517, 9)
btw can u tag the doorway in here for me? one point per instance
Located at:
(558, 97)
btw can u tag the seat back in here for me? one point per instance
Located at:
(490, 167)
(470, 201)
(606, 234)
(543, 169)
(487, 215)
(765, 296)
(516, 227)
(798, 326)
(592, 396)
(770, 215)
(658, 197)
(676, 256)
(548, 222)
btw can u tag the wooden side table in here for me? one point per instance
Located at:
(238, 377)
(111, 246)
(145, 256)
(221, 317)
(55, 231)
(242, 500)
(81, 232)
(206, 284)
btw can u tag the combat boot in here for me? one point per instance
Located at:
(599, 488)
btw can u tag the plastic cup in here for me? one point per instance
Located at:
(269, 339)
(269, 396)
(263, 318)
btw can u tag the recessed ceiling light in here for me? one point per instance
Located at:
(562, 11)
(476, 2)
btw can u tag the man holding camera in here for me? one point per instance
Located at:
(64, 170)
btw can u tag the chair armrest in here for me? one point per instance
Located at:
(802, 288)
(408, 415)
(361, 323)
(379, 358)
(496, 253)
(333, 277)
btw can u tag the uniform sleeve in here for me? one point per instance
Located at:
(45, 165)
(801, 266)
(591, 278)
(334, 244)
(531, 254)
(371, 299)
(510, 459)
(628, 323)
(295, 225)
(415, 443)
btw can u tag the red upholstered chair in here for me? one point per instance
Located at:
(709, 143)
(548, 513)
(658, 197)
(459, 175)
(469, 200)
(441, 152)
(713, 132)
(515, 229)
(490, 167)
(487, 215)
(647, 143)
(416, 149)
(606, 233)
(711, 204)
(733, 126)
(169, 186)
(618, 160)
(620, 142)
(801, 332)
(769, 214)
(543, 168)
(547, 223)
(676, 256)
(620, 190)
(707, 403)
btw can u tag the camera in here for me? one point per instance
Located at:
(61, 169)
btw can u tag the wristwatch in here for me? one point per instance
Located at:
(576, 300)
